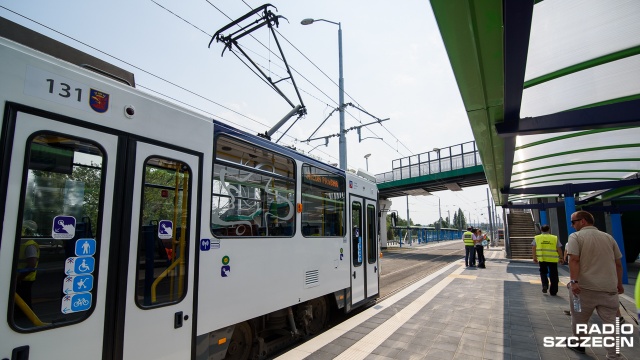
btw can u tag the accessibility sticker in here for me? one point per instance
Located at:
(76, 303)
(64, 227)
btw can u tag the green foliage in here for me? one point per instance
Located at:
(156, 206)
(459, 220)
(50, 194)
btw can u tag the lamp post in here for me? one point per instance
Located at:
(342, 141)
(366, 158)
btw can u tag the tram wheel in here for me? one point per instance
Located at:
(320, 315)
(240, 344)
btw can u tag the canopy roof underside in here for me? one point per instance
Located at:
(552, 92)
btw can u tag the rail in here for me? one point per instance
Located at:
(433, 162)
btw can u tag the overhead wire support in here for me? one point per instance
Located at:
(268, 18)
(364, 111)
(378, 121)
(327, 137)
(319, 126)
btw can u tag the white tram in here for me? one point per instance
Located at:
(136, 229)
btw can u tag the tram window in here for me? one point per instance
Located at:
(163, 235)
(356, 233)
(253, 191)
(372, 234)
(322, 202)
(58, 232)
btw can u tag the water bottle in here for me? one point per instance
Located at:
(576, 300)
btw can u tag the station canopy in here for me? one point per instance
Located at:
(552, 92)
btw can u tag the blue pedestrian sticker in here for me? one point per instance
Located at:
(165, 229)
(76, 303)
(85, 247)
(64, 227)
(205, 244)
(79, 265)
(77, 284)
(225, 270)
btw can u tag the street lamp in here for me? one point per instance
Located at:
(342, 141)
(366, 158)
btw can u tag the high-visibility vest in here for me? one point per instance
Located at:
(638, 298)
(22, 260)
(547, 248)
(467, 237)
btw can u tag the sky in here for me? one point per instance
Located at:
(394, 64)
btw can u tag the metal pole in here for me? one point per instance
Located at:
(439, 220)
(489, 213)
(408, 228)
(343, 141)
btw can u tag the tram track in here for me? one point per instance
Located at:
(416, 265)
(408, 267)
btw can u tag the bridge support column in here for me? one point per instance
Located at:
(385, 205)
(569, 208)
(543, 217)
(616, 232)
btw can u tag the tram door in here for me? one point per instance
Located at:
(57, 201)
(373, 275)
(364, 248)
(70, 290)
(159, 292)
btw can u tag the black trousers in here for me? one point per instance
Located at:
(550, 268)
(480, 251)
(469, 256)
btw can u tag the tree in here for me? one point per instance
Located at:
(459, 220)
(400, 222)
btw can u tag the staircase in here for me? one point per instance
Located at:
(521, 233)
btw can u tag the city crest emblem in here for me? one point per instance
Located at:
(99, 101)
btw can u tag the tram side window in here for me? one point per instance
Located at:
(253, 191)
(356, 233)
(372, 234)
(57, 236)
(164, 233)
(323, 195)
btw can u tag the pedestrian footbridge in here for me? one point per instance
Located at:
(451, 168)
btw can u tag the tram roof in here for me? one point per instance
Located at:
(552, 92)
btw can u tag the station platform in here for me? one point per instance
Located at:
(466, 313)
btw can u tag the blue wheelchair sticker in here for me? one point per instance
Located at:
(79, 265)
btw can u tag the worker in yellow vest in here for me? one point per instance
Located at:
(27, 264)
(469, 248)
(637, 295)
(547, 252)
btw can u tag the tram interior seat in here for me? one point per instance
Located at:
(311, 230)
(151, 240)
